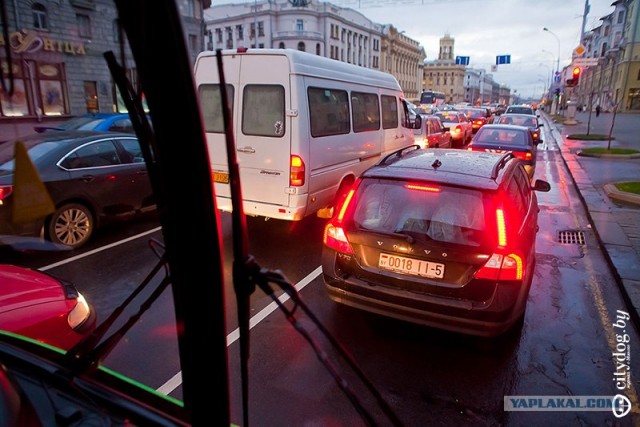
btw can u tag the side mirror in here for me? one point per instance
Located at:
(538, 142)
(417, 124)
(541, 185)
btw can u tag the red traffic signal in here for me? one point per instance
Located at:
(575, 79)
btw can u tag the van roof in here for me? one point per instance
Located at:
(305, 63)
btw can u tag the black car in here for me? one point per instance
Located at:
(89, 178)
(527, 120)
(439, 237)
(502, 138)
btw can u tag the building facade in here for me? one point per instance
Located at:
(458, 82)
(57, 57)
(615, 44)
(319, 28)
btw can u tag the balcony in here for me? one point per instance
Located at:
(307, 35)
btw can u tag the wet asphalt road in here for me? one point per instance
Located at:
(428, 377)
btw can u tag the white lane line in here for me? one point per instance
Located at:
(100, 249)
(176, 380)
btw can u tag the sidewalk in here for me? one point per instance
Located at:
(616, 224)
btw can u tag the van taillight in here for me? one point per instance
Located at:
(334, 234)
(5, 190)
(296, 175)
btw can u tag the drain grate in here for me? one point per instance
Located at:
(571, 237)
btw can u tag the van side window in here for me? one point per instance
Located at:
(211, 106)
(389, 112)
(328, 111)
(366, 111)
(263, 110)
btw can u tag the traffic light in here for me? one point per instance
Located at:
(575, 79)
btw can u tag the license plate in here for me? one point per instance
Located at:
(411, 266)
(221, 177)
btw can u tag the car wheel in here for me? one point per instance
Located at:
(71, 225)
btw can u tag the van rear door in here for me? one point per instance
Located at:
(263, 133)
(258, 88)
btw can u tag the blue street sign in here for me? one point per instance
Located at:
(462, 60)
(503, 59)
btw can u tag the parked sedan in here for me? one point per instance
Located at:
(43, 307)
(527, 120)
(90, 178)
(500, 138)
(459, 125)
(113, 122)
(432, 133)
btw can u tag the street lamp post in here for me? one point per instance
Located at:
(558, 39)
(554, 106)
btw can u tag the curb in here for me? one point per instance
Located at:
(609, 156)
(613, 192)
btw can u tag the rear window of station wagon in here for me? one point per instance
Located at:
(423, 211)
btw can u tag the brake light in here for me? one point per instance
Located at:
(334, 235)
(501, 228)
(426, 188)
(502, 267)
(296, 175)
(479, 122)
(535, 135)
(5, 190)
(457, 129)
(523, 155)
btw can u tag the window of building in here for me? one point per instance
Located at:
(219, 35)
(620, 17)
(18, 104)
(253, 30)
(190, 8)
(299, 25)
(317, 48)
(39, 16)
(281, 45)
(84, 25)
(193, 43)
(260, 29)
(302, 47)
(52, 89)
(606, 31)
(116, 29)
(240, 32)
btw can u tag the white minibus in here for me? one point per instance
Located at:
(305, 127)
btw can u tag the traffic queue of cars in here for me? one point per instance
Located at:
(436, 236)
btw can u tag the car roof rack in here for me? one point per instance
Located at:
(501, 164)
(399, 153)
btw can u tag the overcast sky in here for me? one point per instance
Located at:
(483, 29)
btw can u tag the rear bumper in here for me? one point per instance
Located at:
(487, 318)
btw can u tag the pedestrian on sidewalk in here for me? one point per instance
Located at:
(597, 110)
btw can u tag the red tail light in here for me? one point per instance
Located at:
(523, 155)
(479, 122)
(536, 135)
(334, 234)
(457, 129)
(296, 175)
(5, 190)
(500, 266)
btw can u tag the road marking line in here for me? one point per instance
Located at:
(100, 249)
(175, 381)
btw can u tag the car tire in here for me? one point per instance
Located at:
(71, 224)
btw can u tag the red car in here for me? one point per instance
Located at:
(42, 307)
